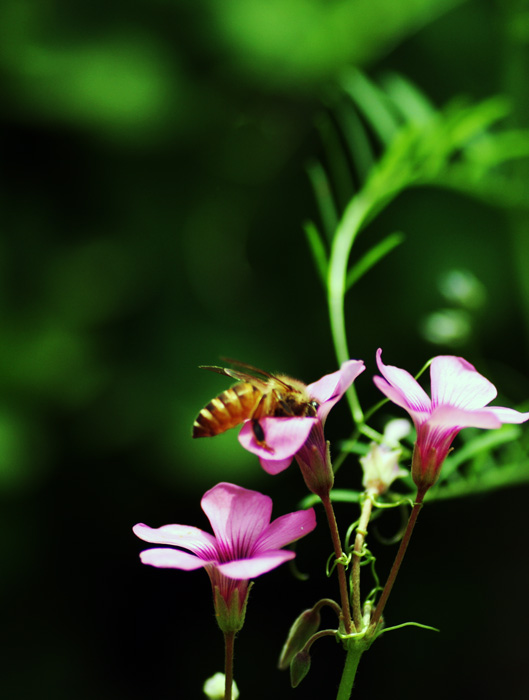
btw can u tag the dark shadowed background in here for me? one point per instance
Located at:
(154, 186)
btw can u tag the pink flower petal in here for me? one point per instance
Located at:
(238, 516)
(171, 559)
(184, 536)
(329, 389)
(507, 415)
(456, 382)
(284, 437)
(286, 529)
(257, 565)
(401, 388)
(276, 466)
(454, 417)
(459, 395)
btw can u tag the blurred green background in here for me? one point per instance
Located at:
(154, 187)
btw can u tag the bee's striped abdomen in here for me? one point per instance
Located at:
(227, 410)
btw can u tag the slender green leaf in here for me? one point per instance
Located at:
(491, 480)
(318, 250)
(337, 496)
(483, 443)
(338, 164)
(465, 122)
(374, 104)
(411, 103)
(372, 257)
(491, 150)
(324, 197)
(357, 140)
(493, 189)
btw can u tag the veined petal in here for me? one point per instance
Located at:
(238, 516)
(507, 415)
(333, 386)
(257, 565)
(286, 529)
(455, 382)
(283, 436)
(171, 559)
(455, 417)
(403, 389)
(185, 536)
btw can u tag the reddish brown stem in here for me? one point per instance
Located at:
(229, 639)
(398, 559)
(342, 581)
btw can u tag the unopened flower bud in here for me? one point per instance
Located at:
(301, 631)
(395, 430)
(214, 687)
(299, 668)
(314, 460)
(381, 468)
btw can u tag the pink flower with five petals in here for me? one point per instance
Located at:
(285, 436)
(245, 544)
(459, 400)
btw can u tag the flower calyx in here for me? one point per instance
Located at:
(230, 611)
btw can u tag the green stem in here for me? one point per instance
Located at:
(229, 640)
(348, 228)
(361, 532)
(349, 672)
(398, 559)
(338, 552)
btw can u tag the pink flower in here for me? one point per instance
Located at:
(459, 398)
(245, 544)
(285, 437)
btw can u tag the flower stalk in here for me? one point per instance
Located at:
(229, 642)
(361, 532)
(375, 619)
(338, 551)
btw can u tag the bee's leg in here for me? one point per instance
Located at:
(259, 434)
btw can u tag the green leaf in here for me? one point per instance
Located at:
(356, 138)
(374, 104)
(483, 443)
(318, 250)
(491, 480)
(324, 197)
(466, 122)
(337, 160)
(372, 257)
(494, 149)
(337, 496)
(411, 103)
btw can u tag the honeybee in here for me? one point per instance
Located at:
(256, 395)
